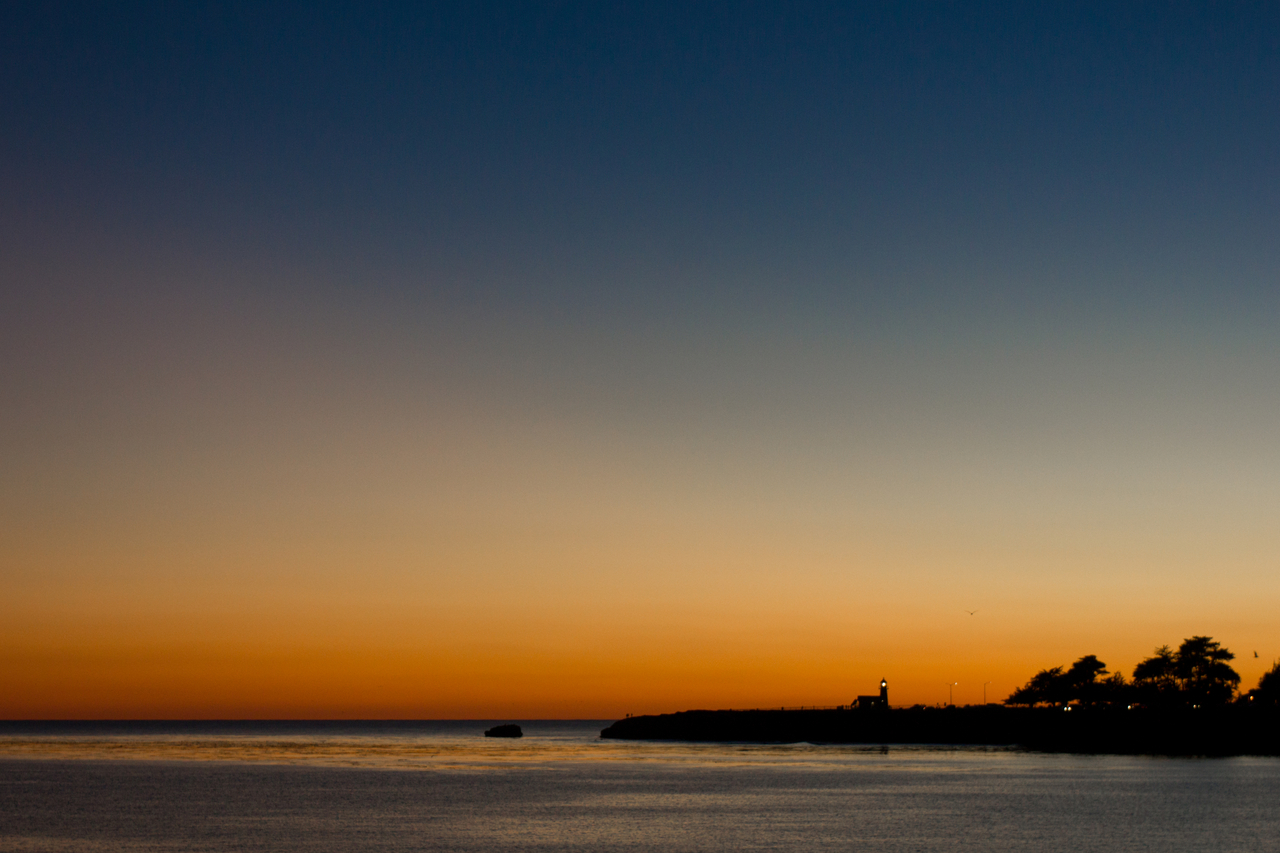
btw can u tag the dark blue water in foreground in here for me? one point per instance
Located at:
(441, 786)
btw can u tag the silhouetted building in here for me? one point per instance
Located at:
(881, 701)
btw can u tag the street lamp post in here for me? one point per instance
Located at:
(950, 695)
(984, 692)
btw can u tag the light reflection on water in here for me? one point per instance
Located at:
(427, 745)
(115, 788)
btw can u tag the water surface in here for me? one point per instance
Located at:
(442, 786)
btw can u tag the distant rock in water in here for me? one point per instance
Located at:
(508, 730)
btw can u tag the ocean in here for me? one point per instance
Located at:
(407, 786)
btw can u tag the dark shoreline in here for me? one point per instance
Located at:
(1232, 730)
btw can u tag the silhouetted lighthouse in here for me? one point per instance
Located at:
(881, 701)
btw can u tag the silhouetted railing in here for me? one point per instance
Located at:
(795, 708)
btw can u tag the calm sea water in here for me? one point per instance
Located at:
(442, 786)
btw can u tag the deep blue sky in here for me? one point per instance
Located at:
(913, 146)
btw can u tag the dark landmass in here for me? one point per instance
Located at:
(1179, 702)
(1230, 730)
(508, 730)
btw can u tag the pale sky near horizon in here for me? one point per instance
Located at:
(537, 361)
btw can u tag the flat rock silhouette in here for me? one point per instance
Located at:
(508, 730)
(1230, 730)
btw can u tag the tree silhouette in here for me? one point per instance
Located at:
(1196, 674)
(1155, 680)
(1081, 681)
(1057, 686)
(1114, 690)
(1042, 689)
(1203, 672)
(1268, 689)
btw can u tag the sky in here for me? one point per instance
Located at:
(573, 360)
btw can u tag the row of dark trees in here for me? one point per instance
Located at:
(1197, 674)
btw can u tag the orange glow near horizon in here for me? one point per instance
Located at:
(577, 642)
(596, 601)
(219, 527)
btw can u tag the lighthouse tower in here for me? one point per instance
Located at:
(873, 701)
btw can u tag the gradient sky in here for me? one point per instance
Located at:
(569, 360)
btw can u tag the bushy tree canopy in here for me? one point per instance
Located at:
(1196, 674)
(1203, 672)
(1268, 689)
(1057, 686)
(1155, 680)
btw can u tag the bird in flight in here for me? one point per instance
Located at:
(971, 612)
(1255, 654)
